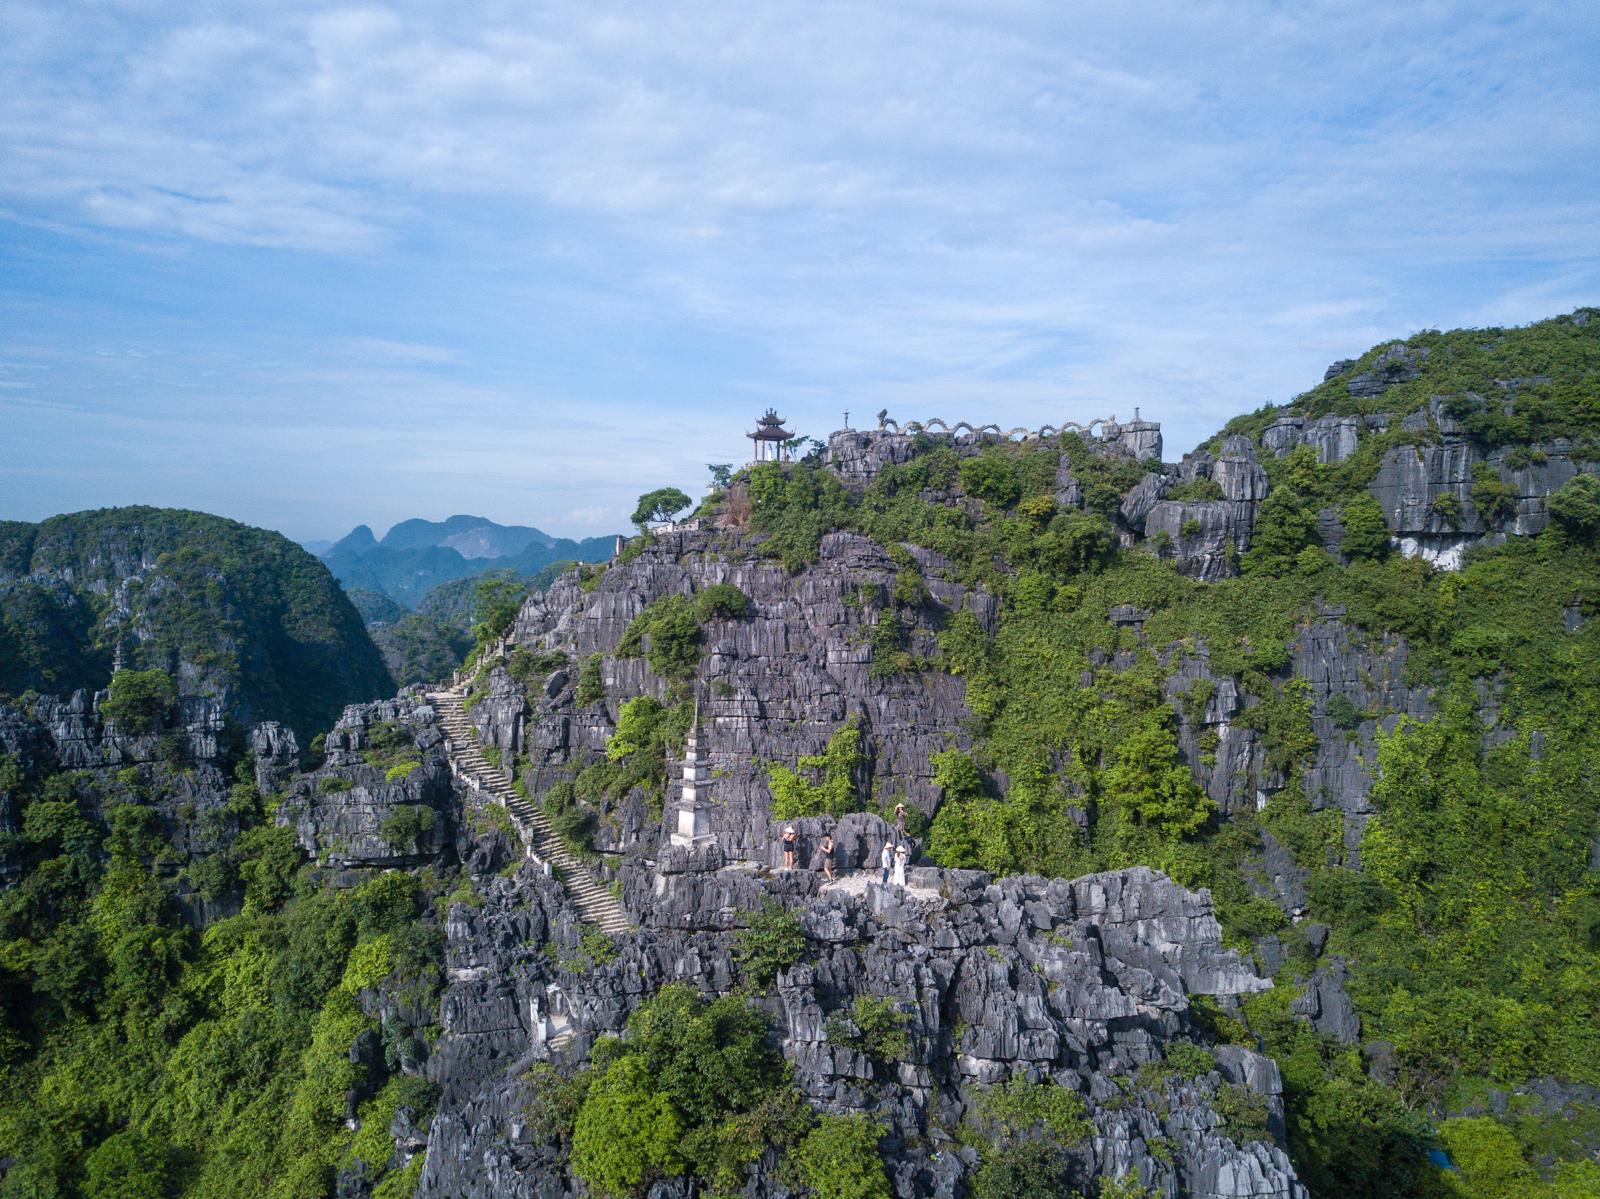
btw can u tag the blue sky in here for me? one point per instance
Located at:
(308, 266)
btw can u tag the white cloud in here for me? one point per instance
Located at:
(525, 232)
(594, 517)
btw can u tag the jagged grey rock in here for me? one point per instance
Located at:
(775, 684)
(1136, 505)
(1141, 439)
(1078, 981)
(1326, 1004)
(345, 826)
(1334, 438)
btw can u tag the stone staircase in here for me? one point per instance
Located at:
(593, 899)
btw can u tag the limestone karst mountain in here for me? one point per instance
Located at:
(1250, 801)
(241, 618)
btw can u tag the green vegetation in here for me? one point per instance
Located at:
(1506, 386)
(1490, 1164)
(1472, 965)
(1024, 1133)
(495, 604)
(771, 940)
(429, 644)
(695, 1087)
(407, 825)
(838, 1159)
(647, 733)
(721, 600)
(591, 682)
(139, 700)
(831, 788)
(667, 635)
(572, 820)
(419, 649)
(1366, 535)
(245, 609)
(1576, 507)
(141, 1059)
(1194, 491)
(875, 1027)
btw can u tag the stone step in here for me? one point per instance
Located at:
(595, 901)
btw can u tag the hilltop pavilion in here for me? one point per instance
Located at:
(770, 436)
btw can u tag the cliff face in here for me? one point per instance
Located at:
(1084, 983)
(772, 685)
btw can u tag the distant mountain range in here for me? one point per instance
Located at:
(418, 555)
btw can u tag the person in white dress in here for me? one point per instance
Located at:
(902, 855)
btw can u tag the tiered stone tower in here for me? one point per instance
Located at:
(694, 821)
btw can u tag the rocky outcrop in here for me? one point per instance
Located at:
(1398, 362)
(1205, 537)
(1138, 503)
(1356, 685)
(378, 801)
(1334, 438)
(1426, 491)
(857, 455)
(1083, 982)
(1226, 756)
(1239, 473)
(1325, 1004)
(773, 685)
(1140, 439)
(183, 769)
(1068, 491)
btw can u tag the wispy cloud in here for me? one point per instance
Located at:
(572, 245)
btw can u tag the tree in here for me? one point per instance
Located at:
(721, 473)
(773, 940)
(495, 604)
(991, 476)
(1576, 507)
(126, 1165)
(709, 1058)
(660, 504)
(627, 1133)
(839, 1159)
(1149, 785)
(139, 699)
(1286, 521)
(1366, 534)
(637, 723)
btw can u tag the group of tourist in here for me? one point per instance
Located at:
(891, 860)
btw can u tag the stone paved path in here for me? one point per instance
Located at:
(853, 883)
(593, 899)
